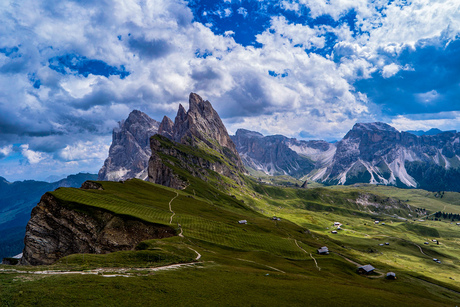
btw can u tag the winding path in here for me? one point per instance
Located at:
(197, 253)
(275, 269)
(421, 250)
(122, 272)
(316, 263)
(170, 209)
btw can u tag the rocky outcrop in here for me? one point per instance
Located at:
(17, 200)
(159, 172)
(55, 231)
(201, 129)
(130, 149)
(304, 185)
(91, 185)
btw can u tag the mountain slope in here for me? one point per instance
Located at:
(279, 155)
(230, 242)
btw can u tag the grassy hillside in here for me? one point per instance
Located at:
(215, 260)
(263, 262)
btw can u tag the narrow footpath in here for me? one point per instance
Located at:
(170, 209)
(316, 263)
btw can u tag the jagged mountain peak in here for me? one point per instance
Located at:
(181, 113)
(197, 104)
(202, 123)
(166, 127)
(130, 149)
(201, 128)
(137, 117)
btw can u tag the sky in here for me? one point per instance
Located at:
(310, 69)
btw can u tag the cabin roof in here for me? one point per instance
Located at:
(367, 268)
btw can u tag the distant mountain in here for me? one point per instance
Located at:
(369, 153)
(16, 202)
(432, 131)
(130, 149)
(279, 155)
(378, 153)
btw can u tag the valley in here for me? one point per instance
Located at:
(202, 231)
(262, 259)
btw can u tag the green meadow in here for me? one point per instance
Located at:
(263, 262)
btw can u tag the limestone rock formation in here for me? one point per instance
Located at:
(55, 231)
(200, 128)
(202, 124)
(378, 153)
(130, 149)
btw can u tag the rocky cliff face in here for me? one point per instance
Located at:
(279, 155)
(378, 153)
(202, 129)
(130, 149)
(17, 200)
(55, 231)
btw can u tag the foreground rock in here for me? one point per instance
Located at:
(55, 231)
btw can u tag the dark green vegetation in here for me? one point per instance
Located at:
(434, 177)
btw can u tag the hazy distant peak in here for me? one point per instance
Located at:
(432, 131)
(248, 133)
(374, 126)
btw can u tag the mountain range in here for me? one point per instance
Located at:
(373, 153)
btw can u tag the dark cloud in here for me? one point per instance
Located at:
(99, 97)
(250, 98)
(150, 49)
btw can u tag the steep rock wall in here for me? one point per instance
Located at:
(55, 231)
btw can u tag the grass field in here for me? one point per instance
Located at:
(258, 263)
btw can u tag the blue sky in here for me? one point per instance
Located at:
(71, 70)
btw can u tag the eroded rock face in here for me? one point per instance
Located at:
(378, 153)
(130, 149)
(55, 231)
(91, 185)
(202, 124)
